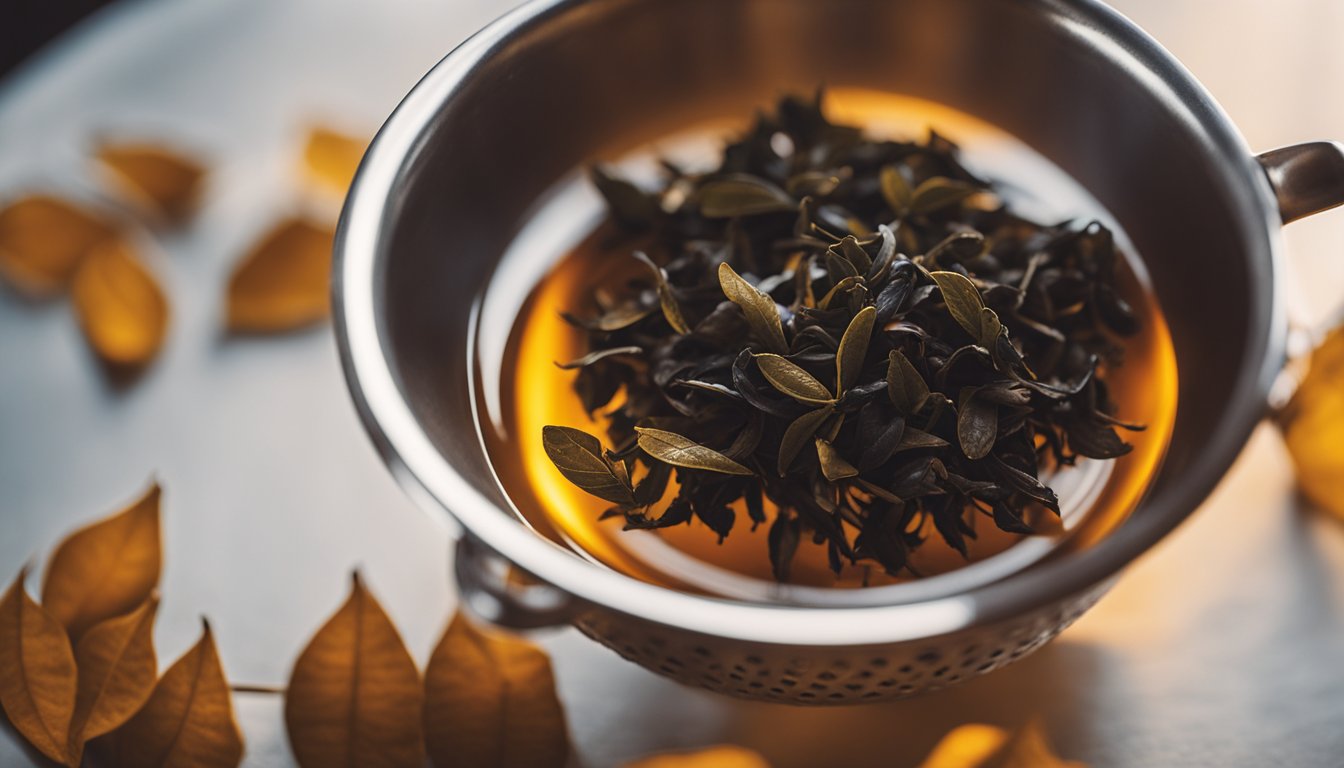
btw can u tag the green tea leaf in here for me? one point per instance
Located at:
(684, 452)
(800, 430)
(792, 380)
(938, 193)
(853, 349)
(578, 455)
(671, 310)
(962, 299)
(906, 388)
(977, 426)
(759, 309)
(742, 195)
(833, 465)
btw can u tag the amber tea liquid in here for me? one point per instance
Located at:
(564, 254)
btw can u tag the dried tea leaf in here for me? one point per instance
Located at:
(354, 696)
(962, 299)
(913, 438)
(896, 190)
(668, 302)
(782, 542)
(853, 349)
(759, 309)
(792, 380)
(742, 195)
(966, 746)
(977, 426)
(681, 451)
(120, 306)
(117, 673)
(490, 702)
(906, 388)
(165, 183)
(601, 354)
(710, 757)
(107, 568)
(331, 157)
(854, 254)
(798, 433)
(579, 457)
(833, 465)
(1028, 749)
(938, 193)
(188, 720)
(37, 673)
(43, 240)
(631, 206)
(284, 281)
(1312, 424)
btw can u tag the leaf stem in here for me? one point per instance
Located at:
(272, 690)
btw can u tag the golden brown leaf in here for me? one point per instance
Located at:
(490, 702)
(43, 240)
(1313, 426)
(354, 696)
(105, 569)
(164, 183)
(986, 746)
(711, 757)
(37, 673)
(966, 746)
(1028, 749)
(117, 672)
(282, 283)
(188, 720)
(331, 158)
(120, 306)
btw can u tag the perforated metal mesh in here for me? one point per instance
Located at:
(832, 675)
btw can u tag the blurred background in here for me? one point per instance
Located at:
(1223, 647)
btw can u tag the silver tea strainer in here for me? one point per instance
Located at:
(458, 168)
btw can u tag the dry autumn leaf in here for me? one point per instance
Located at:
(105, 569)
(282, 283)
(164, 183)
(188, 720)
(987, 746)
(1028, 749)
(490, 702)
(331, 158)
(1313, 423)
(120, 306)
(37, 673)
(43, 240)
(966, 746)
(354, 697)
(712, 757)
(117, 672)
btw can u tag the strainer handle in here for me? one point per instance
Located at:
(491, 588)
(1307, 178)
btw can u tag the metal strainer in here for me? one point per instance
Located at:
(456, 170)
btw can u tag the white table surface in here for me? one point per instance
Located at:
(1223, 647)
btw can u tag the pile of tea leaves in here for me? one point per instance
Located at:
(859, 331)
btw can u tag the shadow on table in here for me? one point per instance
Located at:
(1052, 684)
